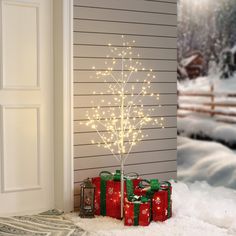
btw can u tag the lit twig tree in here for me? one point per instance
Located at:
(123, 116)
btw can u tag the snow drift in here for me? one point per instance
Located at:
(209, 161)
(193, 126)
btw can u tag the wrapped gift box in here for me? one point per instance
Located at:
(108, 193)
(160, 194)
(166, 186)
(137, 212)
(159, 206)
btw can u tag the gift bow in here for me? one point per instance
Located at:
(151, 186)
(141, 199)
(106, 175)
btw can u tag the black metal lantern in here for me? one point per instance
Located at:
(87, 192)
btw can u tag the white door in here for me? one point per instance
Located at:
(26, 107)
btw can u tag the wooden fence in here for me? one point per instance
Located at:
(209, 103)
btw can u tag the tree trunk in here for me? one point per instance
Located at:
(122, 189)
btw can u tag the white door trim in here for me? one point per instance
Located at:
(63, 74)
(68, 103)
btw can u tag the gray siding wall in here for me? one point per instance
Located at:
(152, 24)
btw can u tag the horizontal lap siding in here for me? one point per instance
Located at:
(80, 114)
(84, 101)
(124, 28)
(152, 24)
(158, 7)
(153, 134)
(87, 39)
(82, 64)
(163, 77)
(81, 127)
(83, 88)
(82, 13)
(84, 51)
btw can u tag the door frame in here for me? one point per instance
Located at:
(63, 104)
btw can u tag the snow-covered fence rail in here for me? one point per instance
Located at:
(221, 106)
(206, 94)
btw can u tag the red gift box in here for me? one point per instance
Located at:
(108, 194)
(160, 193)
(159, 206)
(166, 186)
(162, 203)
(137, 213)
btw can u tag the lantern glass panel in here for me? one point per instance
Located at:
(87, 192)
(88, 199)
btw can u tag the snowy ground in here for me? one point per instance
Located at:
(210, 161)
(205, 127)
(198, 209)
(206, 161)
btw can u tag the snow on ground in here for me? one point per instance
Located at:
(206, 127)
(206, 161)
(198, 209)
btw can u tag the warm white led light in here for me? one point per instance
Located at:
(122, 113)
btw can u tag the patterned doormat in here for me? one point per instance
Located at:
(50, 223)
